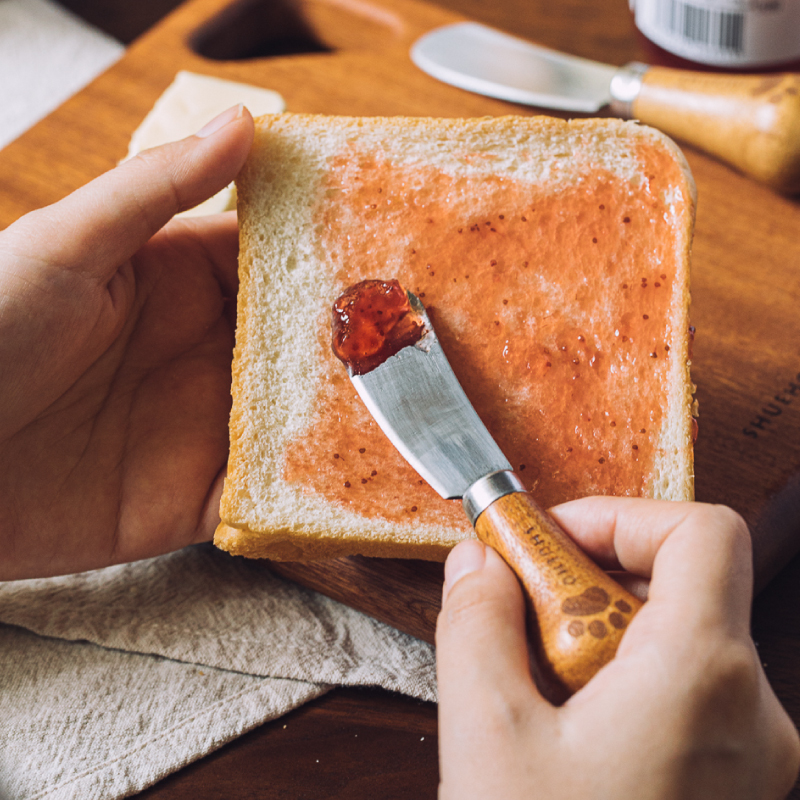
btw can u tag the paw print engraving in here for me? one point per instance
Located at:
(590, 602)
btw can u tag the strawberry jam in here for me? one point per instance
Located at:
(549, 301)
(371, 321)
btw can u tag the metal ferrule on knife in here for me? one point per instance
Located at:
(625, 87)
(487, 490)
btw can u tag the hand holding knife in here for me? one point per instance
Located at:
(396, 364)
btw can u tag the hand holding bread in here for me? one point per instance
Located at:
(115, 357)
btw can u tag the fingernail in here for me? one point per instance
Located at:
(464, 558)
(220, 121)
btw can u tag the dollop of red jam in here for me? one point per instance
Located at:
(371, 321)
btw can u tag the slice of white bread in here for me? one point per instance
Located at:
(553, 259)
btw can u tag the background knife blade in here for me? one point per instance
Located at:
(749, 121)
(484, 60)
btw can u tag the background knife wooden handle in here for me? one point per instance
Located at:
(750, 121)
(580, 612)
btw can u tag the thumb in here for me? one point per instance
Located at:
(482, 619)
(485, 685)
(101, 225)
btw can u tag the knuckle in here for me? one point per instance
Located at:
(159, 166)
(725, 539)
(151, 161)
(725, 521)
(732, 520)
(737, 670)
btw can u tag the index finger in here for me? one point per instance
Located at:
(696, 554)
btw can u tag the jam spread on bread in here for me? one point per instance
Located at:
(371, 321)
(550, 301)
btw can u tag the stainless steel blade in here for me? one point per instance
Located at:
(484, 60)
(416, 399)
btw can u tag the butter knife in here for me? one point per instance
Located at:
(580, 613)
(752, 122)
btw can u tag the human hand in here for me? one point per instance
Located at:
(683, 711)
(116, 336)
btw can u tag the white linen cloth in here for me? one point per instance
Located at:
(112, 679)
(46, 55)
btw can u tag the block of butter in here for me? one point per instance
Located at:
(187, 104)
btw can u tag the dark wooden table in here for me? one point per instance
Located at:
(350, 57)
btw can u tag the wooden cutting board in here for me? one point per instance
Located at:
(351, 57)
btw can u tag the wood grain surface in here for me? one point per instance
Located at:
(350, 57)
(358, 744)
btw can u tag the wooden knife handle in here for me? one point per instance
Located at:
(580, 612)
(750, 121)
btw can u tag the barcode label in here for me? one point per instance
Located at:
(723, 30)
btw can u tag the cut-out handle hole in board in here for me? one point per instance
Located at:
(266, 28)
